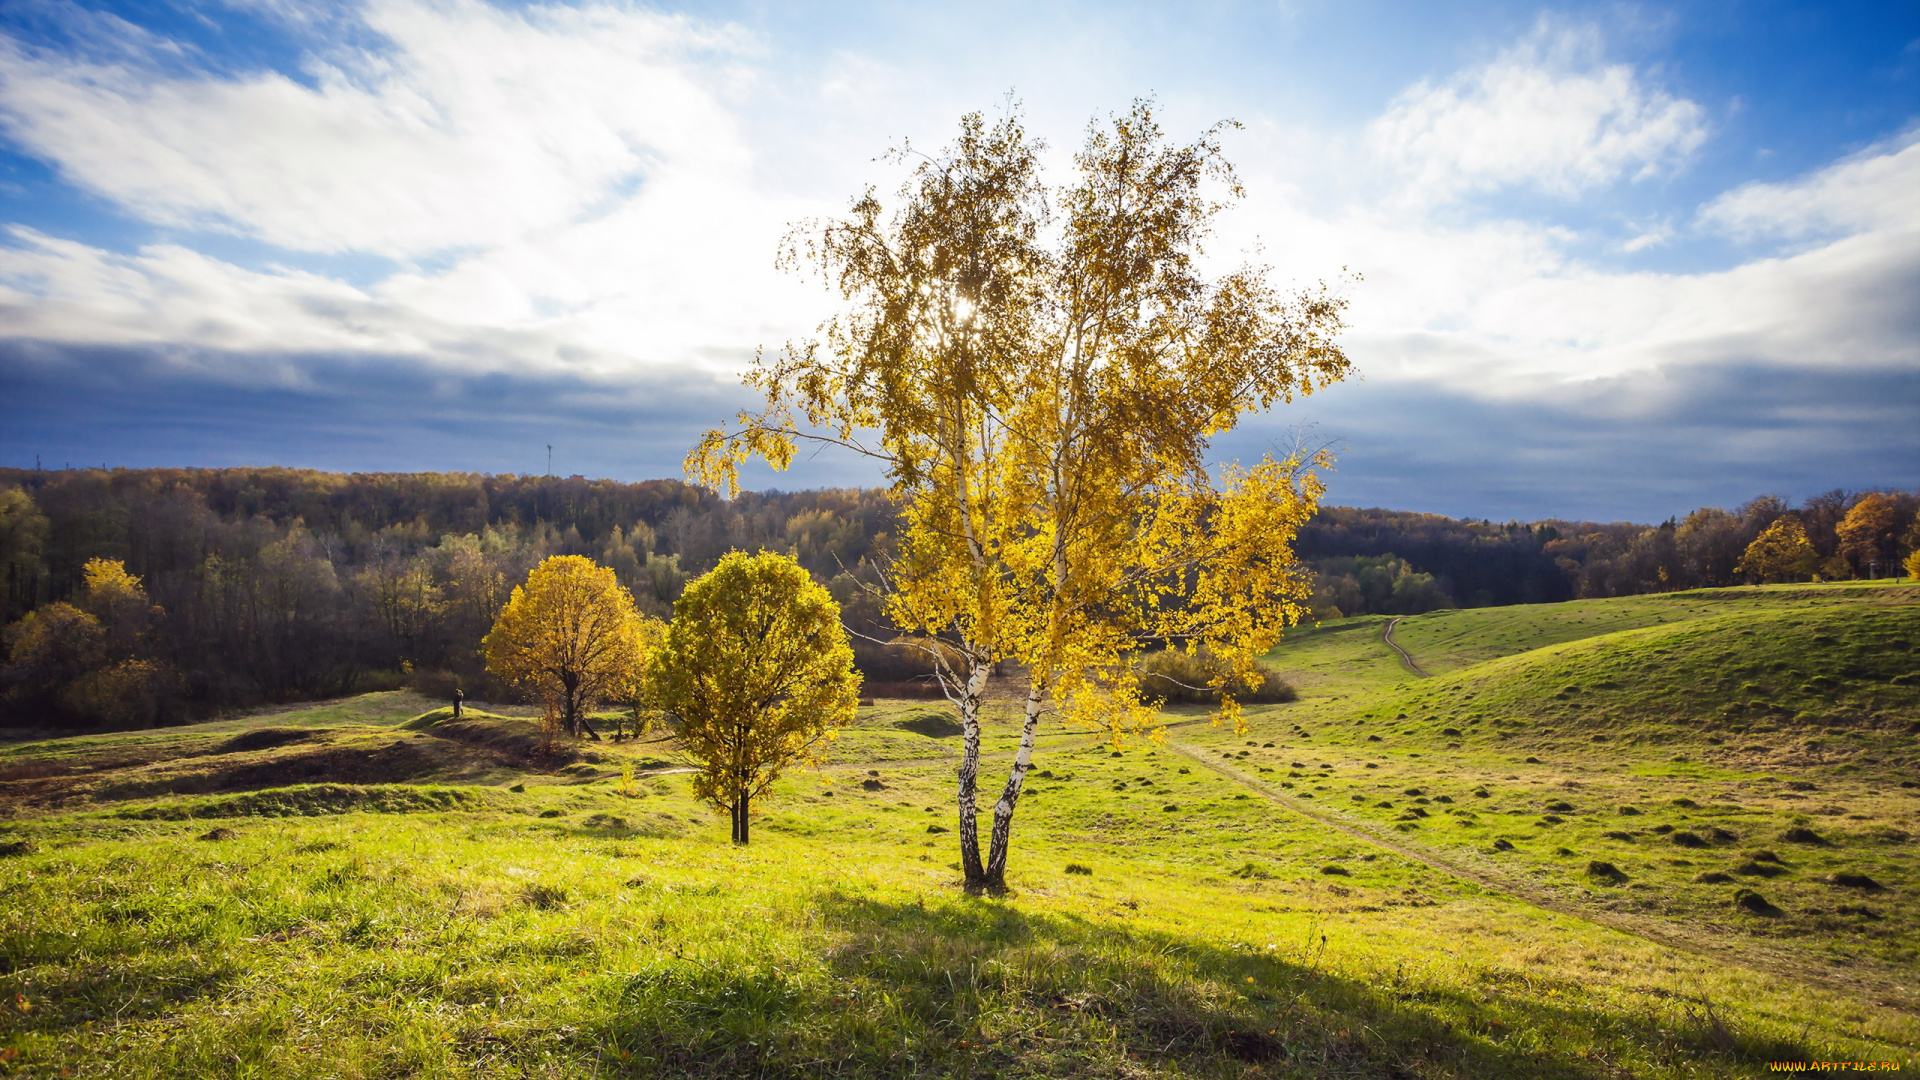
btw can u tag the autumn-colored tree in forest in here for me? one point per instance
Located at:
(91, 657)
(1868, 533)
(131, 686)
(49, 648)
(1782, 553)
(118, 599)
(1042, 390)
(572, 636)
(757, 668)
(23, 533)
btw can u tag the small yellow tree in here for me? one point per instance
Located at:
(1867, 534)
(634, 692)
(119, 601)
(1782, 553)
(571, 636)
(757, 668)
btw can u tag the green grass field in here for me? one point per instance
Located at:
(1652, 836)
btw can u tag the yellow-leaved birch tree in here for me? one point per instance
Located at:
(1041, 374)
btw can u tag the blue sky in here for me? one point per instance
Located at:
(1620, 260)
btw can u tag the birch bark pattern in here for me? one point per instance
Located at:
(967, 785)
(996, 880)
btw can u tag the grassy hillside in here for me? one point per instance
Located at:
(1742, 747)
(1471, 875)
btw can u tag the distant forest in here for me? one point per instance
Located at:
(270, 584)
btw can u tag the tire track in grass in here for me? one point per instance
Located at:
(1886, 988)
(1406, 659)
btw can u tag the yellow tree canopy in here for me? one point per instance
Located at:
(106, 585)
(1781, 553)
(1867, 533)
(50, 647)
(760, 673)
(119, 601)
(1045, 412)
(572, 636)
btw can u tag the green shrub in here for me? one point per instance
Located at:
(1180, 677)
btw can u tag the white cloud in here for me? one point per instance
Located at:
(1506, 309)
(60, 290)
(1877, 188)
(1545, 114)
(582, 172)
(478, 127)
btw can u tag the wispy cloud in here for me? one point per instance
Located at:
(1877, 189)
(474, 127)
(1548, 113)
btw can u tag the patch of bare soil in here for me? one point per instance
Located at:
(514, 741)
(282, 762)
(269, 738)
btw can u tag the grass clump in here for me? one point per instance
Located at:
(545, 897)
(310, 800)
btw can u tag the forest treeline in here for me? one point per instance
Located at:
(213, 588)
(1398, 563)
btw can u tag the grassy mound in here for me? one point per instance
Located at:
(1808, 668)
(311, 800)
(933, 723)
(1448, 640)
(1759, 719)
(518, 739)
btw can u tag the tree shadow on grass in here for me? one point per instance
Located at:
(62, 1002)
(979, 988)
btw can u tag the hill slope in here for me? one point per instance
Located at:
(1765, 744)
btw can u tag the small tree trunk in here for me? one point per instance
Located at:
(572, 717)
(974, 875)
(1010, 795)
(744, 814)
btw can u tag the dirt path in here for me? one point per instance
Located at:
(1889, 988)
(1406, 660)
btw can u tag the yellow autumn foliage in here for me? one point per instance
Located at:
(570, 636)
(1042, 373)
(1781, 553)
(757, 669)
